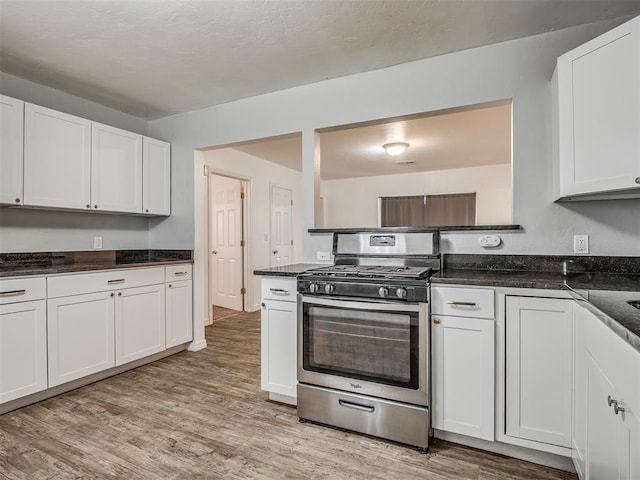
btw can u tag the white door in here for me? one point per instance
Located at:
(225, 242)
(539, 369)
(281, 240)
(11, 149)
(57, 159)
(79, 336)
(116, 169)
(139, 322)
(463, 375)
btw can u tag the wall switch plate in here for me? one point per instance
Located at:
(581, 244)
(323, 256)
(97, 242)
(489, 241)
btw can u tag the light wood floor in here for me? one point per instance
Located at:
(202, 416)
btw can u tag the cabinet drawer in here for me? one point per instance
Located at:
(80, 283)
(463, 302)
(177, 272)
(279, 289)
(22, 290)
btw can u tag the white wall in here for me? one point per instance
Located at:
(492, 184)
(519, 69)
(261, 175)
(24, 230)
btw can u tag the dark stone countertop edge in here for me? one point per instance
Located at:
(292, 270)
(623, 320)
(76, 268)
(461, 228)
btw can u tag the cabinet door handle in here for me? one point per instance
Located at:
(280, 291)
(263, 305)
(12, 293)
(112, 294)
(616, 407)
(461, 304)
(119, 294)
(436, 321)
(118, 280)
(637, 180)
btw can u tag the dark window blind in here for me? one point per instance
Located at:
(428, 210)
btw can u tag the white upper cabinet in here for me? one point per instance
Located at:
(156, 177)
(57, 159)
(598, 115)
(116, 169)
(11, 150)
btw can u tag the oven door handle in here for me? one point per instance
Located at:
(363, 304)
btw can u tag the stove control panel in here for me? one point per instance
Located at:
(394, 291)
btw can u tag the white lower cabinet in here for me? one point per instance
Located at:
(80, 336)
(539, 369)
(179, 320)
(279, 337)
(139, 322)
(463, 356)
(23, 349)
(606, 442)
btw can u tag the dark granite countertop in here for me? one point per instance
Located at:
(51, 263)
(292, 270)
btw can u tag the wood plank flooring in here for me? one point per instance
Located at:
(202, 416)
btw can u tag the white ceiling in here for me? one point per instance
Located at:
(457, 138)
(153, 58)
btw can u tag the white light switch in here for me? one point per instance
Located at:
(97, 242)
(323, 256)
(489, 241)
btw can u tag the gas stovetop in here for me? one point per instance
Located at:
(372, 271)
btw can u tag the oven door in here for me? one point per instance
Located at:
(376, 348)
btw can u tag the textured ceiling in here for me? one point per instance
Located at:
(153, 58)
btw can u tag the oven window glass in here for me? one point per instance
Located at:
(370, 345)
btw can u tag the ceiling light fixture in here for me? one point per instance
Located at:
(395, 148)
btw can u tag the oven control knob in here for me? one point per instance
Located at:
(383, 291)
(401, 292)
(313, 287)
(329, 288)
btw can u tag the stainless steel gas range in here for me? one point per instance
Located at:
(363, 336)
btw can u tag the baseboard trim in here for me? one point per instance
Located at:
(81, 382)
(278, 397)
(197, 345)
(522, 453)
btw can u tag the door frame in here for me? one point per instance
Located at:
(202, 313)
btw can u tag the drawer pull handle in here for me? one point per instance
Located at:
(462, 304)
(113, 282)
(12, 293)
(280, 291)
(357, 406)
(180, 273)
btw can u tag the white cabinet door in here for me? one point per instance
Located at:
(57, 159)
(463, 355)
(79, 336)
(579, 436)
(23, 349)
(279, 367)
(179, 313)
(156, 177)
(116, 169)
(629, 447)
(539, 369)
(139, 322)
(599, 113)
(11, 149)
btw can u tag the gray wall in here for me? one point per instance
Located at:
(519, 69)
(23, 230)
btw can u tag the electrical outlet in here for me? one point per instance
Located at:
(581, 244)
(323, 256)
(97, 242)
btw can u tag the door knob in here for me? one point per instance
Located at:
(214, 252)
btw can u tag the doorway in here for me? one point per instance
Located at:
(281, 210)
(226, 244)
